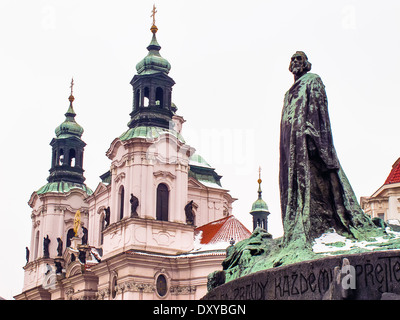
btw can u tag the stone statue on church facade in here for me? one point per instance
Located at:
(59, 247)
(134, 204)
(46, 242)
(189, 213)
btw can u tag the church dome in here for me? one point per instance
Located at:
(259, 205)
(69, 127)
(153, 62)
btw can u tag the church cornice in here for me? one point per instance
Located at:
(164, 175)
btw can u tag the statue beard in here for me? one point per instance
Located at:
(298, 69)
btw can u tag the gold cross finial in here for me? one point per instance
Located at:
(259, 175)
(153, 27)
(71, 97)
(72, 86)
(153, 15)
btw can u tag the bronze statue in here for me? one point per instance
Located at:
(315, 193)
(134, 204)
(189, 213)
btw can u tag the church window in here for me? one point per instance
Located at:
(72, 157)
(61, 157)
(161, 285)
(159, 97)
(121, 202)
(162, 202)
(146, 97)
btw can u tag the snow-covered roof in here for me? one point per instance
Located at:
(223, 230)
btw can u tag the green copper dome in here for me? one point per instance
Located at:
(259, 205)
(153, 62)
(63, 187)
(69, 127)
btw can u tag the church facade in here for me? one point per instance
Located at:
(140, 233)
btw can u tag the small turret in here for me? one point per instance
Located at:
(259, 209)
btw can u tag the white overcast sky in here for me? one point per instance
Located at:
(230, 64)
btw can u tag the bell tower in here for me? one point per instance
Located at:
(67, 153)
(152, 88)
(149, 167)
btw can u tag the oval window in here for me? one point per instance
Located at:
(161, 285)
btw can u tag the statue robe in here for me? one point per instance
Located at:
(315, 193)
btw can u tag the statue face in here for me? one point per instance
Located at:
(297, 64)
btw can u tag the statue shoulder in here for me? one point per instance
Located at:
(313, 80)
(312, 77)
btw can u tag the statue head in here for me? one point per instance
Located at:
(299, 64)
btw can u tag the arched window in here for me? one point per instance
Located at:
(161, 285)
(72, 157)
(121, 202)
(61, 157)
(70, 235)
(159, 97)
(146, 97)
(162, 202)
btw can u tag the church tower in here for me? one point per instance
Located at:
(149, 167)
(67, 159)
(259, 209)
(152, 87)
(54, 205)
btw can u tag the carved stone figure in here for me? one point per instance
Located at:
(27, 254)
(85, 236)
(107, 212)
(58, 266)
(134, 204)
(46, 242)
(59, 247)
(189, 213)
(315, 193)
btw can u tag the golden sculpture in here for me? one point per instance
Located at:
(77, 222)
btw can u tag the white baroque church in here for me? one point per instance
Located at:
(156, 225)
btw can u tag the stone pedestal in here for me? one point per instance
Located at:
(75, 242)
(365, 276)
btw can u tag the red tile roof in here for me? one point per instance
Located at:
(394, 175)
(223, 230)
